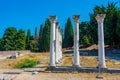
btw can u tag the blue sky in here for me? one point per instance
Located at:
(27, 14)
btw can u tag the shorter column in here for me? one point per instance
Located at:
(76, 40)
(52, 40)
(101, 51)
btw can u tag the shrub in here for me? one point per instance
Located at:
(27, 63)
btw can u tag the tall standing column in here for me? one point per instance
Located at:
(52, 40)
(76, 40)
(101, 51)
(61, 44)
(56, 44)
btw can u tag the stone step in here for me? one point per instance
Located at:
(7, 77)
(82, 69)
(14, 72)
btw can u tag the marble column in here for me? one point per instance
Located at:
(61, 44)
(76, 40)
(52, 40)
(101, 51)
(56, 43)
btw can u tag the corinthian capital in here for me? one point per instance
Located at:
(100, 17)
(53, 19)
(76, 18)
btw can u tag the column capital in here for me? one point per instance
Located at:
(53, 19)
(76, 18)
(100, 17)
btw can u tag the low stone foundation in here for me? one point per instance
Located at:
(81, 69)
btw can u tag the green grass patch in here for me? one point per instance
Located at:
(26, 63)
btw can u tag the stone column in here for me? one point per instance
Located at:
(52, 40)
(101, 51)
(76, 40)
(59, 43)
(56, 43)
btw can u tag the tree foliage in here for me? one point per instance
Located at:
(85, 37)
(20, 40)
(28, 40)
(13, 39)
(45, 37)
(8, 40)
(68, 34)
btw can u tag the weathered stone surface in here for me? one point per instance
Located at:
(82, 69)
(13, 72)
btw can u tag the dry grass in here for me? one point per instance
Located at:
(85, 61)
(43, 58)
(112, 63)
(89, 61)
(67, 61)
(11, 63)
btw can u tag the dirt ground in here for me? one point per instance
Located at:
(66, 76)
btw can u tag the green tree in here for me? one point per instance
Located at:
(34, 45)
(1, 46)
(45, 39)
(36, 34)
(40, 37)
(8, 40)
(20, 40)
(68, 34)
(28, 39)
(41, 31)
(35, 31)
(85, 37)
(110, 24)
(118, 27)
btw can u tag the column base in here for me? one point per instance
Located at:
(52, 65)
(74, 65)
(57, 62)
(50, 68)
(102, 69)
(103, 66)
